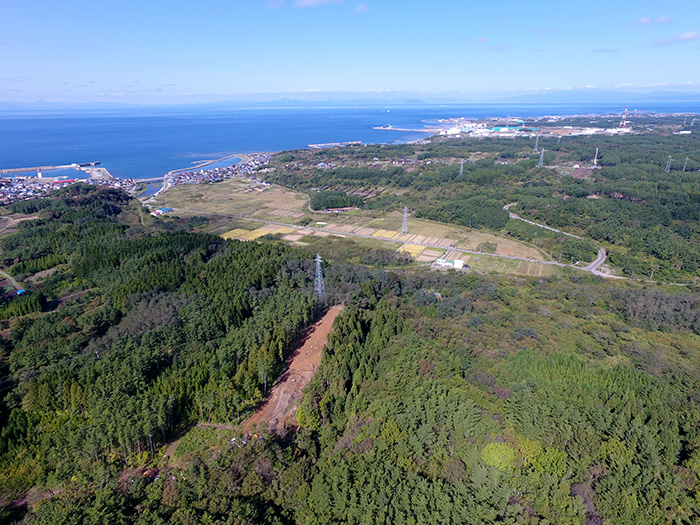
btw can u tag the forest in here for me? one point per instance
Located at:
(334, 199)
(140, 346)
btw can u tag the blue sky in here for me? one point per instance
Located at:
(160, 52)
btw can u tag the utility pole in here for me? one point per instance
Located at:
(404, 226)
(319, 285)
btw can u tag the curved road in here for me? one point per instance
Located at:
(593, 267)
(12, 281)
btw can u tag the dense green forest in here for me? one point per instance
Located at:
(132, 334)
(440, 398)
(334, 199)
(647, 218)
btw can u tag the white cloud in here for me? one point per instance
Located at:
(688, 36)
(274, 4)
(314, 3)
(648, 21)
(483, 41)
(362, 8)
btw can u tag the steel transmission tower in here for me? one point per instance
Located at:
(541, 162)
(537, 142)
(319, 286)
(623, 122)
(404, 226)
(668, 163)
(461, 168)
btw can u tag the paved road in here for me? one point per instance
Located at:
(594, 267)
(461, 250)
(518, 217)
(598, 262)
(12, 281)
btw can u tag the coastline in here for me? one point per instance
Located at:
(244, 160)
(138, 152)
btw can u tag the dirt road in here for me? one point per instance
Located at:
(281, 404)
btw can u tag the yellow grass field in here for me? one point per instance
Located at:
(385, 234)
(252, 235)
(234, 233)
(412, 249)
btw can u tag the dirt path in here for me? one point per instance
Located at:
(279, 408)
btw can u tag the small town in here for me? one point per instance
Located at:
(249, 164)
(24, 188)
(19, 188)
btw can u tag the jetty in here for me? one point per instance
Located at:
(5, 171)
(389, 127)
(336, 144)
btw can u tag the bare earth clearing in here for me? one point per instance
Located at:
(280, 406)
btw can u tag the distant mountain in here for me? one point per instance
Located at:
(602, 96)
(349, 99)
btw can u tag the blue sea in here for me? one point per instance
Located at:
(149, 142)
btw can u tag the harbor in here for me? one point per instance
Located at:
(36, 182)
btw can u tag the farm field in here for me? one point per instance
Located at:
(237, 197)
(281, 206)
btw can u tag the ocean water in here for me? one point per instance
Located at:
(149, 142)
